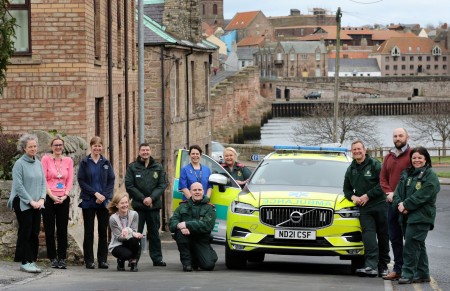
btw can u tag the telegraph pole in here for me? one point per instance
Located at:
(336, 73)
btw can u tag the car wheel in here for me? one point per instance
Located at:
(256, 257)
(357, 263)
(235, 260)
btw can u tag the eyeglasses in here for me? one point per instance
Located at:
(58, 145)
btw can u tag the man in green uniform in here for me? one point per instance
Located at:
(145, 182)
(362, 186)
(191, 225)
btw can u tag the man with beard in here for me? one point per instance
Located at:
(394, 163)
(145, 182)
(362, 186)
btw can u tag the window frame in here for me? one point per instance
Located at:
(23, 7)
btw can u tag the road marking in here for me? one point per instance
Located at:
(434, 285)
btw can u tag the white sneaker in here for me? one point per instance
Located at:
(28, 268)
(36, 268)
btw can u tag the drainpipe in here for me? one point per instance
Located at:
(163, 142)
(127, 95)
(110, 91)
(141, 69)
(187, 96)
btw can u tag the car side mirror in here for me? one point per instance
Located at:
(220, 180)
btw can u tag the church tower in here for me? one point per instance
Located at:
(211, 12)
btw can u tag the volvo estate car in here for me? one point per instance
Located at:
(294, 204)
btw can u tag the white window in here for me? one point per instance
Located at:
(20, 10)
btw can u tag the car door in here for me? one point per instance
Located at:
(220, 198)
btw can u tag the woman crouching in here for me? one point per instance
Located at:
(125, 240)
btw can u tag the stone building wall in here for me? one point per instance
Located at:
(182, 18)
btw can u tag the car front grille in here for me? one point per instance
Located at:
(296, 217)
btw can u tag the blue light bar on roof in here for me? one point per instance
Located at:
(311, 148)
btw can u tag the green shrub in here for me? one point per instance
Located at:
(8, 154)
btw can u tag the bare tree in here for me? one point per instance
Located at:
(433, 124)
(317, 127)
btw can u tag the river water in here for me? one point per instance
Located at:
(279, 131)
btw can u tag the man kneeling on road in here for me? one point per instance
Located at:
(191, 226)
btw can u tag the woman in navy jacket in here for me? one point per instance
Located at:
(96, 179)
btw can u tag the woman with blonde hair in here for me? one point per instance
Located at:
(125, 239)
(237, 170)
(96, 179)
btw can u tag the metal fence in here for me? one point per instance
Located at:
(437, 152)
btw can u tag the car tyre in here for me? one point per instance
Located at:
(235, 260)
(256, 257)
(357, 263)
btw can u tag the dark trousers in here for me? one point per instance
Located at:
(415, 258)
(396, 238)
(128, 250)
(102, 227)
(56, 214)
(196, 251)
(27, 245)
(151, 218)
(375, 236)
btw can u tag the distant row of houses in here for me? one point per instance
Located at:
(301, 45)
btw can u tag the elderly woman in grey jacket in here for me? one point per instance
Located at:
(125, 239)
(27, 198)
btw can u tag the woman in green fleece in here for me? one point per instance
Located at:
(415, 199)
(27, 199)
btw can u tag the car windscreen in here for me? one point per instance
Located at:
(300, 172)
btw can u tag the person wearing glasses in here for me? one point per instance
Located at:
(58, 171)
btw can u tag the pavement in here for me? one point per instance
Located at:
(11, 278)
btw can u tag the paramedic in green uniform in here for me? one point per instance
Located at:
(191, 226)
(415, 200)
(237, 170)
(362, 186)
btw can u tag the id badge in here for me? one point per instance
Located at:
(59, 185)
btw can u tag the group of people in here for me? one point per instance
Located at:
(397, 202)
(44, 187)
(396, 199)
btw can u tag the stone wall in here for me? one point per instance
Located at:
(236, 103)
(75, 148)
(351, 87)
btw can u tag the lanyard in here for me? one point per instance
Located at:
(195, 173)
(59, 171)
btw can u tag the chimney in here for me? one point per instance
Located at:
(182, 19)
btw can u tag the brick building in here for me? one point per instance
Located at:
(250, 24)
(211, 12)
(293, 59)
(405, 56)
(75, 72)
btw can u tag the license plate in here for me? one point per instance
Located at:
(295, 234)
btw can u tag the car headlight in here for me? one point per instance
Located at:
(242, 208)
(350, 212)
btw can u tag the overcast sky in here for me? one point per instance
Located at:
(354, 12)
